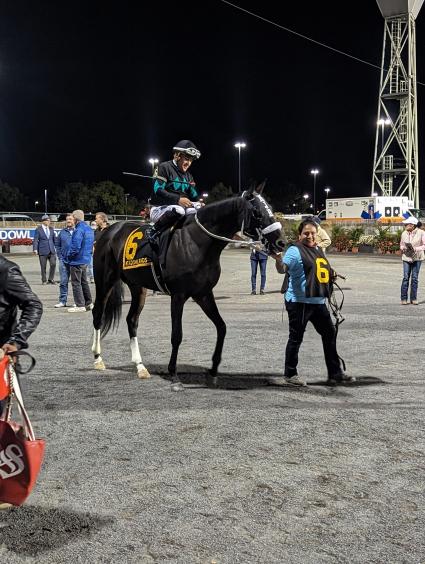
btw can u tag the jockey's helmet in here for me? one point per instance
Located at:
(188, 148)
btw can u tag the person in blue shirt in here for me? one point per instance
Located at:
(63, 240)
(78, 257)
(174, 189)
(310, 278)
(258, 258)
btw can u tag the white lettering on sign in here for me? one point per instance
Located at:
(11, 234)
(11, 463)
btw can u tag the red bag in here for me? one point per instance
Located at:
(4, 378)
(21, 454)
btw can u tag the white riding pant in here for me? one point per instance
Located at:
(158, 211)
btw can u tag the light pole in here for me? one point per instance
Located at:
(126, 196)
(45, 201)
(36, 204)
(305, 200)
(314, 172)
(154, 163)
(239, 145)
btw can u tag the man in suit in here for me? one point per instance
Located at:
(44, 246)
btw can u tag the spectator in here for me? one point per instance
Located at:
(101, 223)
(412, 244)
(15, 294)
(44, 245)
(63, 240)
(78, 257)
(310, 277)
(322, 238)
(258, 258)
(90, 272)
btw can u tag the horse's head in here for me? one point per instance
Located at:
(260, 223)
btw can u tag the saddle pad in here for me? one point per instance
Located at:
(137, 250)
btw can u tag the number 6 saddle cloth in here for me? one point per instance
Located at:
(140, 253)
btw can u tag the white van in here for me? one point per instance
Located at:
(14, 219)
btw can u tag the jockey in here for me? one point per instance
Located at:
(174, 192)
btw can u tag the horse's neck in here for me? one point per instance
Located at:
(226, 223)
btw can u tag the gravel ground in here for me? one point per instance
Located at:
(246, 473)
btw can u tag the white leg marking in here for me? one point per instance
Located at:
(142, 371)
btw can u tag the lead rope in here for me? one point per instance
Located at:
(336, 312)
(251, 244)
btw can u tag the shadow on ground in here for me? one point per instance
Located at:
(32, 530)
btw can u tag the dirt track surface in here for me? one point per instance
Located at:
(248, 472)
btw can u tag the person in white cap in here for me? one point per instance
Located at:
(412, 245)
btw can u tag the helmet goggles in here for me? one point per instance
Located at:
(190, 151)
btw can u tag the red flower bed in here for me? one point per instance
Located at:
(17, 242)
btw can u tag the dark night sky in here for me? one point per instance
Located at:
(89, 89)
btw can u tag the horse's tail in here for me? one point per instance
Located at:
(112, 312)
(109, 288)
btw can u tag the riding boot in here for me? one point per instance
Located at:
(166, 220)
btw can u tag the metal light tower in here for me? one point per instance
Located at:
(239, 145)
(314, 172)
(395, 166)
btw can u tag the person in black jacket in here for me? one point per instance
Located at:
(15, 294)
(174, 189)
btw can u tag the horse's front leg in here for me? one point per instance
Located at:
(138, 298)
(209, 307)
(177, 305)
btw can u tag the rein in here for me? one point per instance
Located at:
(250, 243)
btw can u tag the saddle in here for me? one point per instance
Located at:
(139, 252)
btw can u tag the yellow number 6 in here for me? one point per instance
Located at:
(322, 273)
(131, 247)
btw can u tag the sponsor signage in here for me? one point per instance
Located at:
(11, 233)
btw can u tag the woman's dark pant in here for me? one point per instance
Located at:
(410, 270)
(263, 269)
(299, 314)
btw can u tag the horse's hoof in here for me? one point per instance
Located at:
(99, 365)
(177, 387)
(143, 374)
(211, 381)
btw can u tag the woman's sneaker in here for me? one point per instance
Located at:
(60, 304)
(286, 381)
(341, 378)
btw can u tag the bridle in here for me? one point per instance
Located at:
(249, 243)
(258, 245)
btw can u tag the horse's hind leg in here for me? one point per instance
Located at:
(97, 313)
(138, 298)
(177, 305)
(209, 307)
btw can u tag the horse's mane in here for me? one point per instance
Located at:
(214, 212)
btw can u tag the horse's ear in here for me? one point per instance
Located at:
(260, 187)
(252, 188)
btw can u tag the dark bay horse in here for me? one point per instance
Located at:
(192, 270)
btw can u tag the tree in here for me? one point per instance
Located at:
(11, 198)
(219, 192)
(103, 196)
(74, 195)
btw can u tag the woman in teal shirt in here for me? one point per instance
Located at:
(310, 279)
